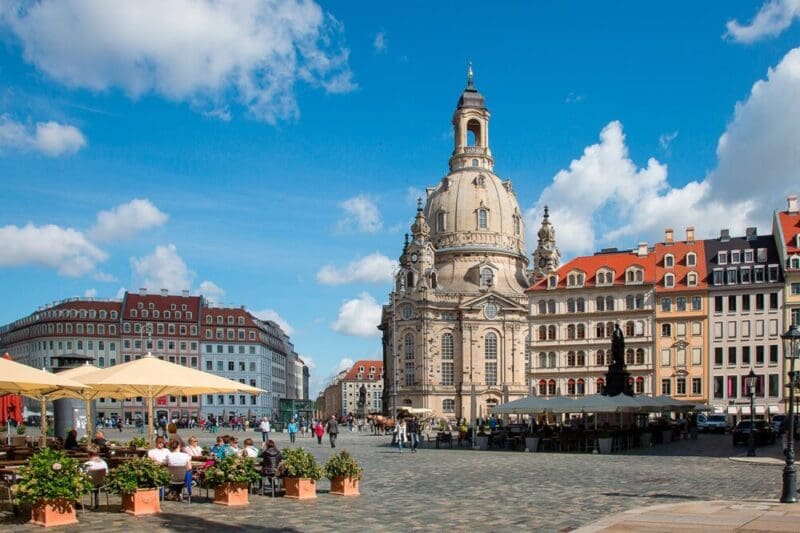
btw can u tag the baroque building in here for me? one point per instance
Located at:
(454, 330)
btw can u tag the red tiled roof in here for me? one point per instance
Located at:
(790, 225)
(680, 269)
(162, 303)
(352, 374)
(590, 264)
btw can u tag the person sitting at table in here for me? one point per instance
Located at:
(159, 453)
(99, 439)
(95, 463)
(249, 449)
(233, 447)
(176, 457)
(215, 449)
(271, 459)
(71, 442)
(192, 449)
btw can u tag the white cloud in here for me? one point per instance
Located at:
(49, 138)
(373, 268)
(309, 361)
(211, 291)
(380, 43)
(361, 214)
(64, 249)
(121, 293)
(125, 220)
(773, 17)
(359, 317)
(665, 140)
(104, 277)
(271, 314)
(163, 269)
(413, 195)
(207, 53)
(574, 98)
(345, 363)
(90, 293)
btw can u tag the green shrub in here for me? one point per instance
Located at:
(232, 469)
(140, 473)
(21, 429)
(298, 462)
(138, 442)
(49, 475)
(343, 464)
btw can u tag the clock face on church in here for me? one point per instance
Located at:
(414, 257)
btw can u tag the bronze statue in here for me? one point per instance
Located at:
(617, 345)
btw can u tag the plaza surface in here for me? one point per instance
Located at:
(462, 489)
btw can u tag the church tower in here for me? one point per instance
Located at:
(547, 257)
(454, 330)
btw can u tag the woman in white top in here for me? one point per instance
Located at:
(400, 434)
(192, 449)
(180, 459)
(159, 453)
(96, 464)
(249, 449)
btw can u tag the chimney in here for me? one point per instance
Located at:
(142, 291)
(185, 293)
(792, 201)
(164, 292)
(641, 251)
(751, 234)
(669, 236)
(724, 235)
(690, 234)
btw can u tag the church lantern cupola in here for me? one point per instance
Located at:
(471, 130)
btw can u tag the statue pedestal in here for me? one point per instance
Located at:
(617, 381)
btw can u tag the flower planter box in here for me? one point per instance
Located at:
(605, 444)
(300, 488)
(532, 443)
(58, 512)
(483, 442)
(141, 502)
(344, 486)
(231, 494)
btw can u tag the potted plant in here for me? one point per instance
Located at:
(19, 439)
(138, 443)
(137, 481)
(531, 441)
(301, 472)
(231, 478)
(604, 441)
(51, 483)
(344, 472)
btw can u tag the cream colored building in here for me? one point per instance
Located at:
(457, 317)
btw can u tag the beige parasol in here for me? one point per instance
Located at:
(16, 378)
(151, 377)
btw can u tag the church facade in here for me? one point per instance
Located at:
(455, 328)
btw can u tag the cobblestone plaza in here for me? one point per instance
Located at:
(462, 489)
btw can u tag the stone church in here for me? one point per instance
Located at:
(455, 328)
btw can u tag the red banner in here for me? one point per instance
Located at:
(161, 400)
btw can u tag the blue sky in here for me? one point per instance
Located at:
(269, 155)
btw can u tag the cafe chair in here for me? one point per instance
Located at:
(98, 478)
(177, 482)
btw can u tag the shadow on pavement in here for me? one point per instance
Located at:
(188, 522)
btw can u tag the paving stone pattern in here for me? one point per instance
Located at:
(463, 490)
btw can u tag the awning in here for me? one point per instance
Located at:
(760, 409)
(745, 409)
(733, 410)
(773, 409)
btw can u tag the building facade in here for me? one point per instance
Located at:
(454, 330)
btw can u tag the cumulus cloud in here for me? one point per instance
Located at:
(604, 197)
(359, 317)
(309, 361)
(360, 214)
(49, 138)
(125, 220)
(665, 140)
(272, 315)
(345, 363)
(104, 277)
(381, 42)
(373, 268)
(90, 293)
(64, 249)
(208, 53)
(772, 19)
(162, 269)
(211, 291)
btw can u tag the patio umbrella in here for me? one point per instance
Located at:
(151, 377)
(16, 378)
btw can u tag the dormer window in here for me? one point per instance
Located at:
(794, 262)
(634, 276)
(748, 256)
(797, 240)
(669, 261)
(722, 258)
(575, 279)
(691, 259)
(691, 279)
(744, 274)
(731, 276)
(483, 218)
(552, 282)
(761, 255)
(736, 257)
(669, 280)
(487, 277)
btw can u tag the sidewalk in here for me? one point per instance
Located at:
(751, 515)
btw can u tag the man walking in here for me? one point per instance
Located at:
(333, 430)
(264, 427)
(412, 429)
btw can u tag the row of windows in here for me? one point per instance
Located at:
(742, 327)
(746, 301)
(580, 305)
(231, 366)
(578, 386)
(144, 313)
(736, 256)
(580, 359)
(602, 330)
(220, 400)
(83, 313)
(160, 344)
(742, 355)
(90, 345)
(744, 275)
(691, 260)
(79, 329)
(680, 329)
(669, 279)
(682, 303)
(680, 356)
(209, 348)
(605, 277)
(221, 320)
(680, 386)
(482, 220)
(147, 328)
(728, 386)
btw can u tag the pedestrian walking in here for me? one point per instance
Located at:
(265, 429)
(332, 427)
(400, 434)
(292, 429)
(319, 431)
(412, 428)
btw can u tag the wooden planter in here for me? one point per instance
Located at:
(301, 488)
(532, 443)
(57, 512)
(19, 441)
(605, 443)
(141, 502)
(344, 486)
(231, 494)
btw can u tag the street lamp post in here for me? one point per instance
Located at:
(791, 348)
(751, 386)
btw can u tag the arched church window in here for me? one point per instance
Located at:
(434, 281)
(552, 357)
(474, 162)
(490, 348)
(409, 280)
(487, 277)
(551, 333)
(517, 225)
(542, 360)
(483, 217)
(440, 221)
(542, 333)
(408, 343)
